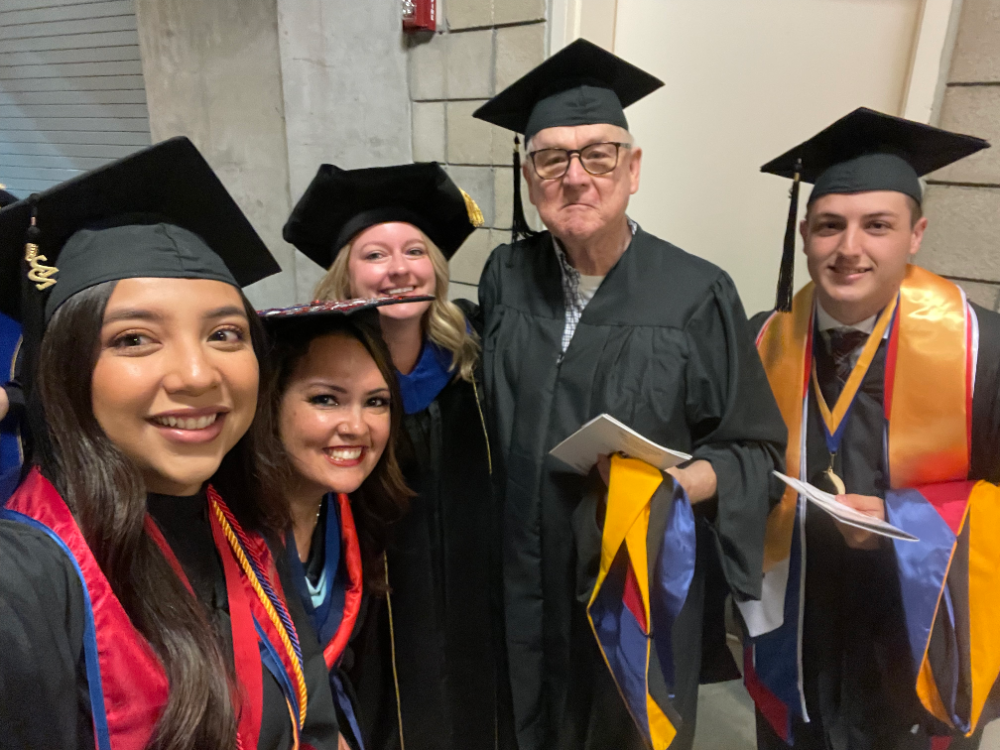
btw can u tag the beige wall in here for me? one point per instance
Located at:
(963, 201)
(745, 81)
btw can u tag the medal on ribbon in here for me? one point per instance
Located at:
(835, 420)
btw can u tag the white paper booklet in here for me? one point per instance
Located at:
(604, 435)
(843, 513)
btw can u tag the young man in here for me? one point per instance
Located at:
(594, 316)
(888, 380)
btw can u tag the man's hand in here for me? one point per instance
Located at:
(871, 506)
(4, 403)
(697, 479)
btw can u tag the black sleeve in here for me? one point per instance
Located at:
(320, 731)
(737, 427)
(41, 644)
(986, 399)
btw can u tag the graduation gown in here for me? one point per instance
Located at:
(664, 346)
(444, 573)
(44, 700)
(857, 668)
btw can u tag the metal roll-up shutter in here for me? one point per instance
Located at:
(72, 95)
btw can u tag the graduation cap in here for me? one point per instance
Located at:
(582, 84)
(160, 212)
(6, 198)
(861, 152)
(340, 203)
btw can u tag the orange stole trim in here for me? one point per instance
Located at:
(984, 604)
(928, 419)
(784, 345)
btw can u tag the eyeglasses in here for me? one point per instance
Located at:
(596, 159)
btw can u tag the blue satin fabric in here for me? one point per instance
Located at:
(619, 633)
(923, 569)
(671, 580)
(427, 379)
(10, 451)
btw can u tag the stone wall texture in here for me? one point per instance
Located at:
(480, 47)
(962, 201)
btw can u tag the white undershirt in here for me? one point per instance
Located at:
(827, 322)
(588, 287)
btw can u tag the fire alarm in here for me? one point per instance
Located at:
(419, 15)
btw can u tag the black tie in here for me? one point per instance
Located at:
(843, 343)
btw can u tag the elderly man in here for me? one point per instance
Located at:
(899, 414)
(597, 316)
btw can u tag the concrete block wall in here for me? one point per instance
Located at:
(962, 202)
(480, 48)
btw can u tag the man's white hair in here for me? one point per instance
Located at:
(621, 135)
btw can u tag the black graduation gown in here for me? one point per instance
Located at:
(44, 702)
(664, 346)
(446, 605)
(857, 667)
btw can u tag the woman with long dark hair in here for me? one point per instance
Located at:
(338, 412)
(429, 669)
(140, 603)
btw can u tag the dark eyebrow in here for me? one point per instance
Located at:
(136, 313)
(131, 313)
(876, 214)
(225, 312)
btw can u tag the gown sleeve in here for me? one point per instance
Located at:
(736, 426)
(320, 731)
(41, 644)
(986, 400)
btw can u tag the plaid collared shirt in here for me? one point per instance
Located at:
(573, 300)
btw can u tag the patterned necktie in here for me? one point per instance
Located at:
(843, 343)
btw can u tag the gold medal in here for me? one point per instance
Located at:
(836, 481)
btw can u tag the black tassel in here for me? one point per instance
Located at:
(519, 228)
(786, 275)
(35, 438)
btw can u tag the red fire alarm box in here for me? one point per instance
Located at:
(419, 15)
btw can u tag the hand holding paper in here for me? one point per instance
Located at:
(845, 514)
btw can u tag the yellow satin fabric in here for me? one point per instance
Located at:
(782, 348)
(630, 490)
(928, 424)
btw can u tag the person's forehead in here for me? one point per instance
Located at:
(576, 136)
(391, 232)
(866, 202)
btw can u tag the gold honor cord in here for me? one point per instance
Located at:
(834, 420)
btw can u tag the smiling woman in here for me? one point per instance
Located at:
(337, 409)
(135, 601)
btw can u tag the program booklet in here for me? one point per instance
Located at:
(843, 513)
(604, 435)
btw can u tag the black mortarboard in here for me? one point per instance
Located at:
(340, 203)
(160, 212)
(582, 84)
(861, 152)
(6, 199)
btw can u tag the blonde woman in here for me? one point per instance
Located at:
(429, 661)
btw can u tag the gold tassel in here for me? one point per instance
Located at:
(39, 273)
(475, 215)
